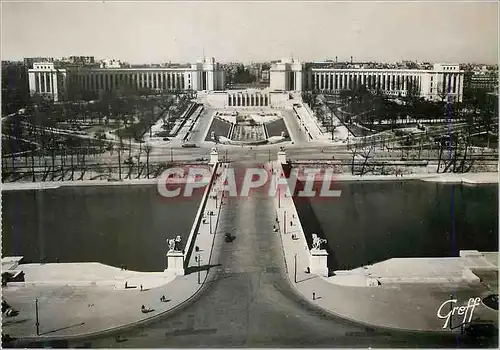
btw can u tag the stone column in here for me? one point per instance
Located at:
(44, 82)
(460, 87)
(55, 87)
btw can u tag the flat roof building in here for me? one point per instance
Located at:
(440, 82)
(65, 81)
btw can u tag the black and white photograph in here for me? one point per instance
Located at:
(249, 174)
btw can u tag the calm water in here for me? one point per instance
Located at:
(372, 221)
(113, 225)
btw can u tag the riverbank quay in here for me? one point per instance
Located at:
(81, 300)
(451, 178)
(408, 303)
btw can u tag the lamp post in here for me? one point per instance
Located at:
(37, 324)
(284, 222)
(279, 197)
(210, 215)
(198, 259)
(295, 266)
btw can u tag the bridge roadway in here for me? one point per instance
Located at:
(249, 302)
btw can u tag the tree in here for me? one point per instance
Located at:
(366, 151)
(120, 148)
(148, 148)
(32, 154)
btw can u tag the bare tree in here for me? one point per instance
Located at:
(148, 148)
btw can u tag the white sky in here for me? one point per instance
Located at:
(140, 32)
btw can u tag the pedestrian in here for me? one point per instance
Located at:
(126, 285)
(141, 287)
(314, 296)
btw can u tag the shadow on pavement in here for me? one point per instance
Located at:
(60, 329)
(193, 269)
(7, 322)
(312, 276)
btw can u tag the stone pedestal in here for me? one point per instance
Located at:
(175, 262)
(214, 157)
(282, 157)
(319, 262)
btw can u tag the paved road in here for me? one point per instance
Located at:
(248, 301)
(200, 131)
(296, 134)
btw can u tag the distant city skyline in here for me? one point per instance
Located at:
(157, 32)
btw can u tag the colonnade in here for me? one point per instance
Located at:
(331, 81)
(94, 81)
(46, 82)
(395, 81)
(247, 100)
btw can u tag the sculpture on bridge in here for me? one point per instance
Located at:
(171, 245)
(318, 243)
(174, 245)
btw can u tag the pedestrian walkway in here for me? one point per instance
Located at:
(308, 123)
(204, 239)
(69, 310)
(411, 306)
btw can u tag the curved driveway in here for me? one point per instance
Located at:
(249, 302)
